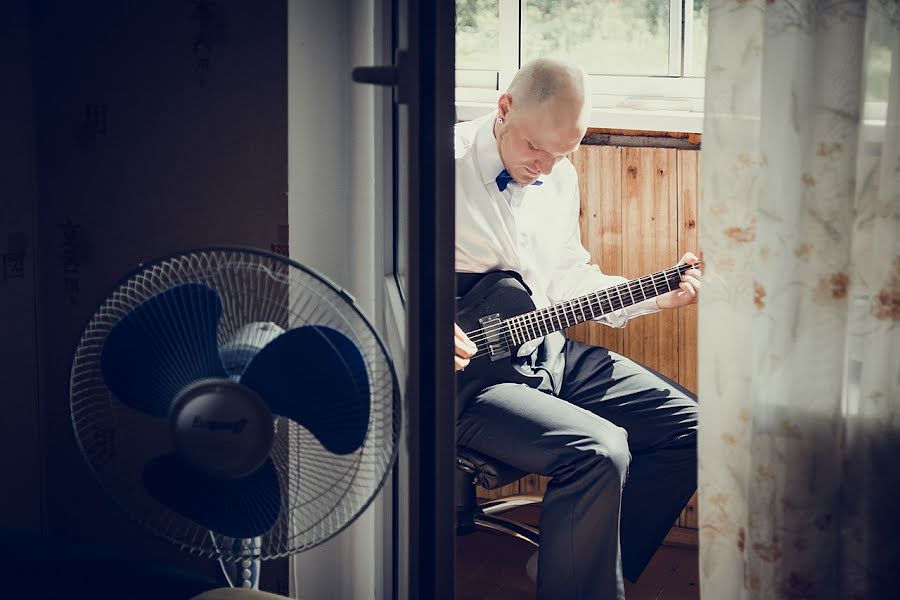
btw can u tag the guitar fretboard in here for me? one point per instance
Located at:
(541, 322)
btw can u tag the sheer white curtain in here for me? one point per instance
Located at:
(799, 352)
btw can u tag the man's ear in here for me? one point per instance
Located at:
(503, 106)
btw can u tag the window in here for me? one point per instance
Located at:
(645, 58)
(877, 67)
(478, 34)
(629, 37)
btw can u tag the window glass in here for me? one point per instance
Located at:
(478, 34)
(701, 28)
(624, 37)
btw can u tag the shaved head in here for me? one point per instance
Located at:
(547, 80)
(541, 118)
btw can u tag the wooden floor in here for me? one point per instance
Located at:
(492, 567)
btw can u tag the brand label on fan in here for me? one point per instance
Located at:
(234, 426)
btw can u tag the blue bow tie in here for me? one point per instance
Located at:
(504, 178)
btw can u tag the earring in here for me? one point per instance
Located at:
(499, 119)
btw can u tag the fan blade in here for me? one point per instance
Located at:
(238, 508)
(162, 345)
(316, 376)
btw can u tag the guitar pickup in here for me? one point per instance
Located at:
(495, 336)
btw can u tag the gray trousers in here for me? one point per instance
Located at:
(620, 444)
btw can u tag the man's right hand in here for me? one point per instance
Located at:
(465, 349)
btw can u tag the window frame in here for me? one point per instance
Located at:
(670, 102)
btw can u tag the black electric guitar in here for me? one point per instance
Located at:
(496, 312)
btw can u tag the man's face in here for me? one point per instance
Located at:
(533, 140)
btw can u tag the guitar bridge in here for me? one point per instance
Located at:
(495, 338)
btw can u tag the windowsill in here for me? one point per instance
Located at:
(612, 118)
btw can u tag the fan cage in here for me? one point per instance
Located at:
(322, 493)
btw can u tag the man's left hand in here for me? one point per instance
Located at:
(689, 289)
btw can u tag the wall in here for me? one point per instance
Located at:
(160, 126)
(337, 190)
(639, 215)
(21, 452)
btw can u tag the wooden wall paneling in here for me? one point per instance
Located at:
(688, 241)
(533, 484)
(650, 241)
(581, 161)
(599, 178)
(502, 492)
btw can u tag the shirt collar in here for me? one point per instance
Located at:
(489, 162)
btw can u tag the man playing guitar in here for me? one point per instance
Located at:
(617, 439)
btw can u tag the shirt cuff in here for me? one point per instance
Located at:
(619, 318)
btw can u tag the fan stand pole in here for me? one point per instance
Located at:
(243, 572)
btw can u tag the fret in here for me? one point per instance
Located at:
(676, 282)
(546, 324)
(628, 287)
(640, 283)
(609, 298)
(603, 310)
(529, 326)
(558, 320)
(665, 276)
(653, 281)
(581, 306)
(510, 330)
(591, 307)
(567, 307)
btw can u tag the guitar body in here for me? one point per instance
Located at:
(497, 295)
(496, 312)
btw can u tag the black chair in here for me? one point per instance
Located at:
(475, 468)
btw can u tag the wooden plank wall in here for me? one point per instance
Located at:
(638, 215)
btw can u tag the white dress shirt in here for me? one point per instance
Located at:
(533, 230)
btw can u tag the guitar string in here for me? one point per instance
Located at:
(597, 303)
(660, 277)
(666, 275)
(480, 335)
(498, 329)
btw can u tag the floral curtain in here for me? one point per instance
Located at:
(799, 481)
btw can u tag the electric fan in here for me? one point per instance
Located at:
(236, 404)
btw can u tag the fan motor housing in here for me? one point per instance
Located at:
(222, 428)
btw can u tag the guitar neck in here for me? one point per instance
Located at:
(543, 321)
